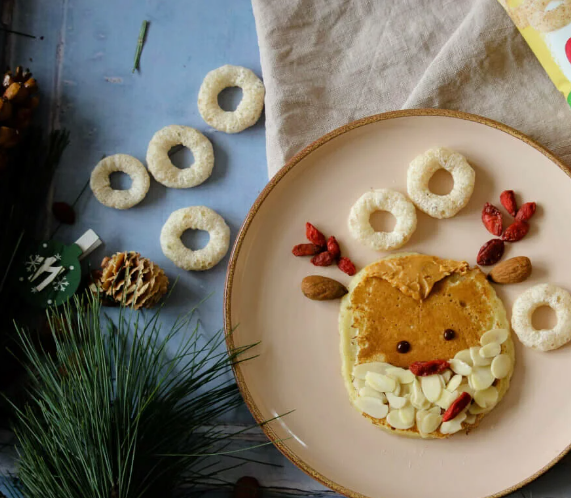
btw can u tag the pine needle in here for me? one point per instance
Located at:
(140, 43)
(110, 414)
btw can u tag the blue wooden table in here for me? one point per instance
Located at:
(82, 57)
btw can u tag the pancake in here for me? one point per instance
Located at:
(415, 298)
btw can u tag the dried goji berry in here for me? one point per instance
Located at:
(492, 219)
(347, 266)
(323, 259)
(516, 231)
(314, 235)
(457, 406)
(491, 252)
(63, 212)
(526, 211)
(425, 368)
(507, 198)
(333, 247)
(306, 250)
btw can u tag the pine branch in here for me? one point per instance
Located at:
(111, 414)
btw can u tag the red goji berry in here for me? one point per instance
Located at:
(507, 198)
(347, 266)
(526, 211)
(491, 252)
(333, 247)
(323, 259)
(314, 235)
(425, 368)
(492, 219)
(457, 406)
(63, 212)
(306, 250)
(516, 231)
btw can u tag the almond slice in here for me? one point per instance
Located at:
(464, 356)
(372, 407)
(396, 401)
(481, 378)
(460, 368)
(400, 374)
(395, 420)
(490, 350)
(501, 366)
(487, 398)
(495, 335)
(358, 384)
(454, 383)
(360, 371)
(454, 425)
(431, 387)
(446, 376)
(470, 419)
(476, 409)
(406, 414)
(446, 399)
(380, 382)
(465, 387)
(429, 423)
(371, 393)
(477, 360)
(417, 397)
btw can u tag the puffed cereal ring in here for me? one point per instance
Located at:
(559, 300)
(197, 218)
(545, 20)
(100, 182)
(382, 200)
(250, 107)
(165, 172)
(420, 172)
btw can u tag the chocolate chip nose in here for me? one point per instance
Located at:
(403, 347)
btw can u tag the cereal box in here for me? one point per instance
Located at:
(546, 26)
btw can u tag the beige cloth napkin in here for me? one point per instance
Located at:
(328, 62)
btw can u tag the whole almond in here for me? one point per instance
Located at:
(511, 271)
(321, 288)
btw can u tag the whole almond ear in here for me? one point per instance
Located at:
(511, 271)
(321, 288)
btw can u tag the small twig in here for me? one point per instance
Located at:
(17, 33)
(72, 205)
(140, 43)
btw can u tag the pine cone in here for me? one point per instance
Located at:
(131, 280)
(17, 105)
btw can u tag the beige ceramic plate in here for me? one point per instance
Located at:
(299, 365)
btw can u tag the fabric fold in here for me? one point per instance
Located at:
(328, 62)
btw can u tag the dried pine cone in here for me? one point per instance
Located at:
(131, 280)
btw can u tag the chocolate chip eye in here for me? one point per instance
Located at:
(449, 334)
(403, 347)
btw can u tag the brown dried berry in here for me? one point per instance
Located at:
(457, 406)
(507, 198)
(321, 288)
(333, 247)
(526, 211)
(314, 235)
(492, 219)
(516, 231)
(426, 368)
(63, 212)
(323, 259)
(247, 487)
(306, 250)
(347, 266)
(491, 252)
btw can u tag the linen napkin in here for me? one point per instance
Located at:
(328, 62)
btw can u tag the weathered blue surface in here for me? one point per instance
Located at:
(84, 68)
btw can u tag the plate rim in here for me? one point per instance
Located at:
(294, 161)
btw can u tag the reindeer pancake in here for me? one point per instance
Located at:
(426, 346)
